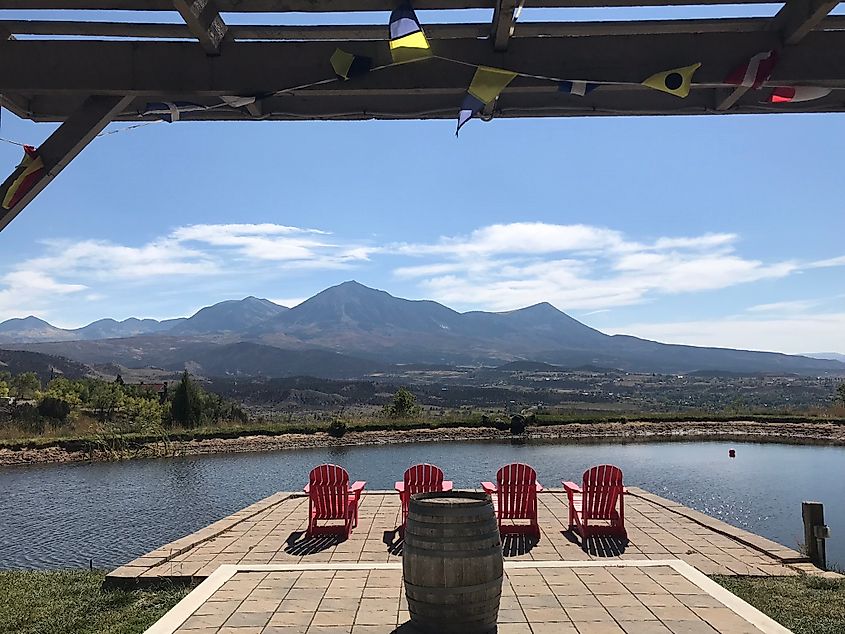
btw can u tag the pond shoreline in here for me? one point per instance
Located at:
(808, 433)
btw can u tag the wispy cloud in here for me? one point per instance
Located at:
(584, 267)
(202, 251)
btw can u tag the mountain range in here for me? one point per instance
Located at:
(351, 330)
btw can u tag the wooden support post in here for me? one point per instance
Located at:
(503, 21)
(798, 17)
(64, 145)
(814, 532)
(204, 21)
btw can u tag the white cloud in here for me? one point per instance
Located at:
(789, 334)
(577, 267)
(215, 252)
(795, 306)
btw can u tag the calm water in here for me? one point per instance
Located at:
(62, 516)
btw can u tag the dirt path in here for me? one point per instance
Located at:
(738, 431)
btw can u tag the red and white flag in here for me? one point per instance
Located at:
(795, 94)
(753, 73)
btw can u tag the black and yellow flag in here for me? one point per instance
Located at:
(676, 81)
(407, 39)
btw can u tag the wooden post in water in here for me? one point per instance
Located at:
(815, 532)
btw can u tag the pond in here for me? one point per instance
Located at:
(109, 513)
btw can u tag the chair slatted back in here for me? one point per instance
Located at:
(517, 484)
(329, 491)
(602, 487)
(423, 478)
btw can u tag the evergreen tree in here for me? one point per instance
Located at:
(186, 409)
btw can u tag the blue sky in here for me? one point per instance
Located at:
(704, 230)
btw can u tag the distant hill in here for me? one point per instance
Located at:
(45, 366)
(351, 330)
(30, 329)
(229, 316)
(831, 356)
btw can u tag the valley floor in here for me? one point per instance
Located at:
(247, 439)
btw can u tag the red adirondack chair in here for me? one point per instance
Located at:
(421, 478)
(593, 506)
(516, 488)
(331, 498)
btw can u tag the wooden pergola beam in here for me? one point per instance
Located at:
(795, 20)
(377, 32)
(326, 6)
(204, 22)
(504, 16)
(61, 147)
(250, 68)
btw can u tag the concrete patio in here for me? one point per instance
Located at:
(621, 597)
(272, 532)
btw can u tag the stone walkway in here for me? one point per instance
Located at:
(272, 532)
(622, 597)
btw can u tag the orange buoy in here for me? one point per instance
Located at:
(732, 453)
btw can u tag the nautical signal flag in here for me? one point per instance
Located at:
(796, 94)
(579, 88)
(486, 85)
(347, 65)
(755, 71)
(33, 171)
(676, 81)
(407, 40)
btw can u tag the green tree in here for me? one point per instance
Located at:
(143, 412)
(404, 404)
(4, 389)
(25, 385)
(186, 409)
(66, 390)
(840, 393)
(106, 399)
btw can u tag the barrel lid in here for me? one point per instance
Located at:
(451, 498)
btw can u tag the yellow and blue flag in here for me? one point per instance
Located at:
(676, 81)
(486, 85)
(407, 39)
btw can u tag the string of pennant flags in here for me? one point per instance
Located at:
(409, 44)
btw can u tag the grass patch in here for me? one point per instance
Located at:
(35, 602)
(805, 604)
(71, 440)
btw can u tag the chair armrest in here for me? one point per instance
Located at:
(539, 487)
(488, 487)
(400, 486)
(447, 485)
(307, 488)
(624, 490)
(571, 487)
(357, 487)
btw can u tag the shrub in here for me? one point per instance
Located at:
(54, 408)
(337, 428)
(517, 424)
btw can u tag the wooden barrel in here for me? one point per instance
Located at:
(452, 563)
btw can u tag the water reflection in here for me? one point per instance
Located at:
(67, 514)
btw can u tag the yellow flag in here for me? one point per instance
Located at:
(489, 82)
(410, 48)
(675, 81)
